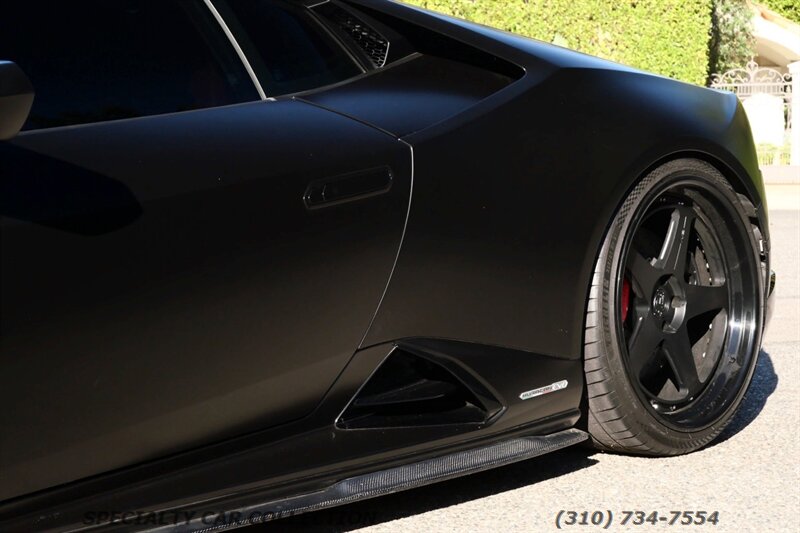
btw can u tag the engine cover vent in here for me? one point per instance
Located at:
(366, 38)
(413, 390)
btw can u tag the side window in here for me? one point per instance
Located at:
(98, 60)
(288, 48)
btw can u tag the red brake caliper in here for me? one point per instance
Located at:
(626, 298)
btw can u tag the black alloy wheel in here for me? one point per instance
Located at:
(675, 314)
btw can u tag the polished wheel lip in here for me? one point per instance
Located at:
(692, 405)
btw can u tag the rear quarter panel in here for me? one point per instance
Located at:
(512, 200)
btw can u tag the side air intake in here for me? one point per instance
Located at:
(412, 390)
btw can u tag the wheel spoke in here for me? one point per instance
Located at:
(675, 249)
(678, 349)
(643, 343)
(702, 299)
(643, 273)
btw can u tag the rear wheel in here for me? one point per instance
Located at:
(674, 315)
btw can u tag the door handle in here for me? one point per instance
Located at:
(348, 188)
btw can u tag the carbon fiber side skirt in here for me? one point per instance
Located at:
(388, 481)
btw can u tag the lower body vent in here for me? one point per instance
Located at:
(412, 389)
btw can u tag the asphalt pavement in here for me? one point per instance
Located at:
(750, 476)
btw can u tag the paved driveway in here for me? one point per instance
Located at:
(751, 476)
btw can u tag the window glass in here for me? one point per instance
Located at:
(97, 60)
(289, 49)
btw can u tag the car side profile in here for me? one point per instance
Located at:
(263, 257)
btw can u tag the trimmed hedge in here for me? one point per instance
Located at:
(669, 37)
(788, 8)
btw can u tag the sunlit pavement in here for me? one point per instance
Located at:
(782, 197)
(751, 476)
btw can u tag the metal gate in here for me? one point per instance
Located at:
(754, 80)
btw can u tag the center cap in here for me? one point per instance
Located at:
(661, 303)
(669, 305)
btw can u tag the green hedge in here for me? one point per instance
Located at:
(788, 8)
(669, 37)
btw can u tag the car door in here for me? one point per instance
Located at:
(181, 260)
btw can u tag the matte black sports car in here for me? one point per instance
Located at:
(261, 257)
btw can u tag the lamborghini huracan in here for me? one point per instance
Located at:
(262, 257)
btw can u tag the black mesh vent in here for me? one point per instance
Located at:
(375, 45)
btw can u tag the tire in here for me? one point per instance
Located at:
(680, 252)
